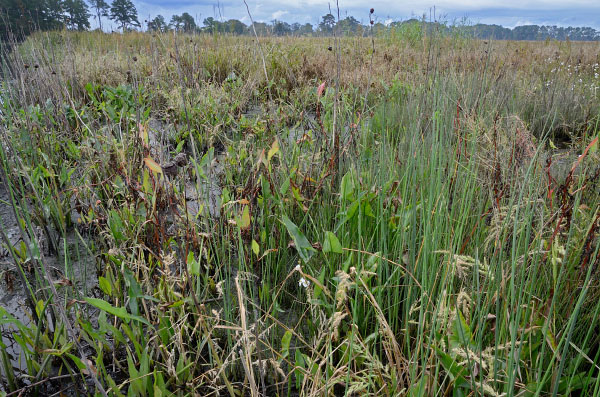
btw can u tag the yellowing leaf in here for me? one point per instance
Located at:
(255, 248)
(153, 165)
(274, 149)
(244, 221)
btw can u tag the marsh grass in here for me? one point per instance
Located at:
(443, 251)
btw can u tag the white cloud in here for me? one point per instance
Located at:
(278, 14)
(508, 13)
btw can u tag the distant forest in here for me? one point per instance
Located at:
(19, 18)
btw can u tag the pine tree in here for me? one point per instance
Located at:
(101, 8)
(327, 23)
(158, 24)
(77, 14)
(124, 13)
(22, 17)
(51, 15)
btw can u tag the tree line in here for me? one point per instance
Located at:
(497, 32)
(22, 17)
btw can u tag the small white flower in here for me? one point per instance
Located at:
(304, 282)
(298, 268)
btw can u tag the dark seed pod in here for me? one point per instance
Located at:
(372, 22)
(36, 66)
(134, 59)
(372, 10)
(26, 66)
(329, 48)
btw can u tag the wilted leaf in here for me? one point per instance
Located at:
(321, 89)
(143, 131)
(153, 165)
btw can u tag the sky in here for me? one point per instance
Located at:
(508, 13)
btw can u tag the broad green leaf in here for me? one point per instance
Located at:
(160, 388)
(115, 223)
(285, 343)
(454, 370)
(193, 264)
(303, 246)
(299, 364)
(284, 186)
(347, 186)
(461, 332)
(331, 243)
(120, 312)
(105, 285)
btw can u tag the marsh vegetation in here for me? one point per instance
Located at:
(212, 215)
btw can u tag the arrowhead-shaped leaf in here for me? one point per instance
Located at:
(303, 246)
